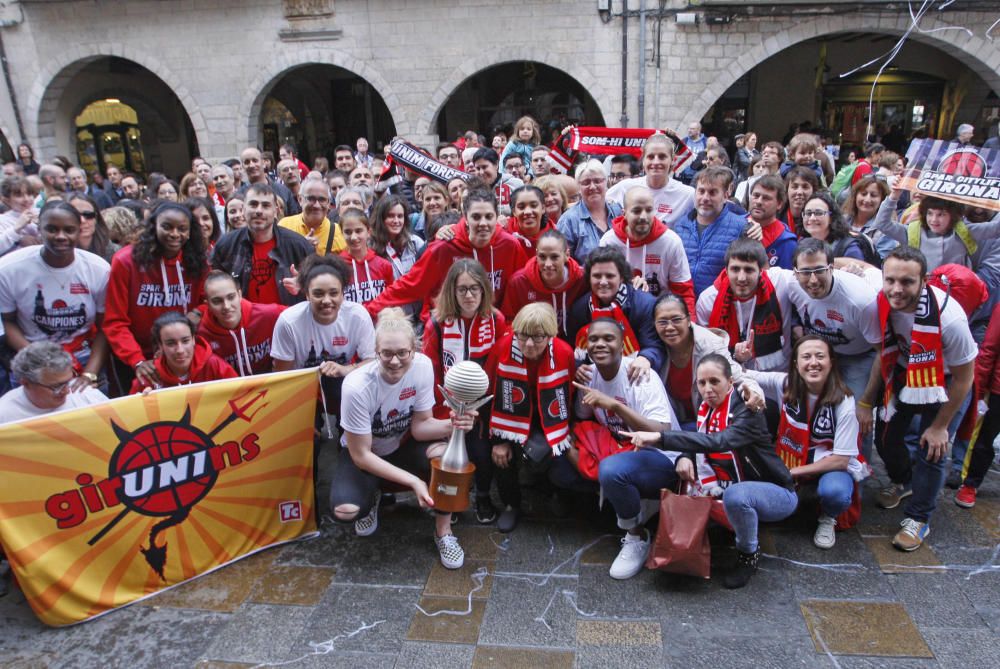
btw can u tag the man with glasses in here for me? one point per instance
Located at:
(313, 223)
(623, 166)
(839, 307)
(45, 372)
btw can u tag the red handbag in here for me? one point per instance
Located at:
(595, 442)
(681, 545)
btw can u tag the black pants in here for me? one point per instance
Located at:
(982, 451)
(558, 472)
(351, 485)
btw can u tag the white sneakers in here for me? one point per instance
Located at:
(632, 556)
(826, 533)
(452, 555)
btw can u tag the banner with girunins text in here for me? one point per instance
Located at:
(107, 504)
(969, 175)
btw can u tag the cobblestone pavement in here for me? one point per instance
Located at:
(542, 597)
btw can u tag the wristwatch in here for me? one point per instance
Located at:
(90, 376)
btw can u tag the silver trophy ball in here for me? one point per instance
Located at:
(466, 381)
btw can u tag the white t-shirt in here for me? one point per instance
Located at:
(670, 203)
(15, 405)
(661, 261)
(847, 317)
(53, 304)
(369, 405)
(781, 280)
(956, 339)
(300, 339)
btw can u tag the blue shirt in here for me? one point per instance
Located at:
(582, 234)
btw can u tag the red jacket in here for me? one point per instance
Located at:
(526, 286)
(432, 349)
(205, 366)
(247, 347)
(987, 376)
(369, 278)
(501, 258)
(136, 298)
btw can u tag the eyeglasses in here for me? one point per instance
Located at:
(813, 270)
(403, 354)
(815, 212)
(469, 290)
(664, 322)
(89, 215)
(535, 338)
(316, 199)
(616, 177)
(58, 388)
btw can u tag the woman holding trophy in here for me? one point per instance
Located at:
(390, 433)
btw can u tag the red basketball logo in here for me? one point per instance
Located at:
(963, 163)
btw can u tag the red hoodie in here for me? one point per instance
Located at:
(529, 241)
(247, 347)
(527, 286)
(205, 366)
(138, 296)
(368, 278)
(501, 258)
(659, 257)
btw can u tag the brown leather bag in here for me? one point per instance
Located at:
(681, 545)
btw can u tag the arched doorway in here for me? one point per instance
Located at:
(924, 90)
(494, 98)
(111, 91)
(316, 107)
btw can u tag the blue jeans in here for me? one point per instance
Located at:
(906, 462)
(854, 370)
(749, 502)
(628, 477)
(834, 490)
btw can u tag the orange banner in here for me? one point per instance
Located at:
(104, 505)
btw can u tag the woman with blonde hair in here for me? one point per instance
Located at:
(391, 435)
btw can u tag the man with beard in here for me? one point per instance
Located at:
(253, 166)
(261, 254)
(766, 197)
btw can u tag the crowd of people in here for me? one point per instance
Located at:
(746, 333)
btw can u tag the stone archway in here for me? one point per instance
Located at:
(52, 131)
(249, 133)
(980, 55)
(573, 69)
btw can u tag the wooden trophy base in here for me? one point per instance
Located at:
(450, 490)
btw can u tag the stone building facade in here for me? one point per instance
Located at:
(213, 65)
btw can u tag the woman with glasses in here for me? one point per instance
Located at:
(822, 220)
(325, 330)
(46, 375)
(531, 371)
(464, 325)
(391, 435)
(94, 234)
(585, 222)
(55, 292)
(686, 343)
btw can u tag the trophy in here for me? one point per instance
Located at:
(451, 474)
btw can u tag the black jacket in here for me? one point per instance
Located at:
(746, 436)
(234, 254)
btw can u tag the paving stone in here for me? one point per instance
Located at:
(987, 513)
(863, 628)
(588, 657)
(444, 582)
(345, 609)
(30, 660)
(453, 627)
(859, 574)
(520, 613)
(499, 657)
(935, 600)
(293, 585)
(346, 660)
(964, 649)
(221, 590)
(258, 633)
(703, 646)
(617, 633)
(891, 560)
(435, 655)
(537, 546)
(479, 542)
(215, 664)
(847, 662)
(603, 552)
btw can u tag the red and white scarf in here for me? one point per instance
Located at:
(609, 142)
(481, 337)
(924, 380)
(512, 405)
(799, 434)
(766, 321)
(724, 467)
(630, 343)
